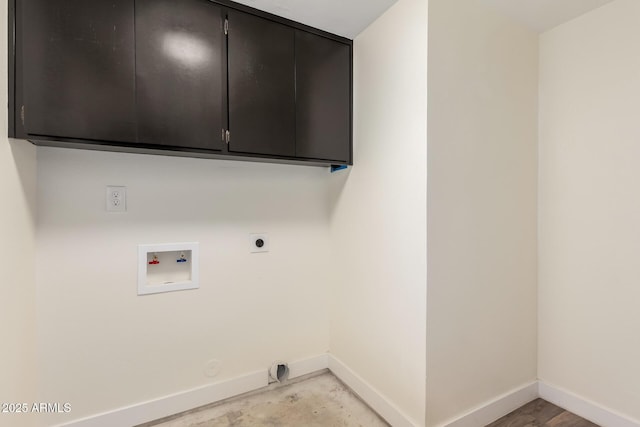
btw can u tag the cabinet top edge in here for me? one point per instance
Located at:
(291, 23)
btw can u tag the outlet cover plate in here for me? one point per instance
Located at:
(254, 245)
(116, 198)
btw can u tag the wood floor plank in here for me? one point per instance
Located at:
(540, 413)
(567, 419)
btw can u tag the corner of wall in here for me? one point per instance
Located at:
(482, 189)
(378, 222)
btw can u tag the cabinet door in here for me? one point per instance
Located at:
(79, 69)
(179, 73)
(261, 86)
(323, 98)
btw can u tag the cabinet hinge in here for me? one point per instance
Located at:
(22, 114)
(227, 136)
(226, 26)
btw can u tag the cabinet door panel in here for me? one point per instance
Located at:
(79, 69)
(323, 100)
(261, 86)
(179, 70)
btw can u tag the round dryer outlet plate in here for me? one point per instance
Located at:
(258, 242)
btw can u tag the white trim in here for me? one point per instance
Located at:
(308, 366)
(194, 398)
(496, 408)
(175, 403)
(482, 415)
(584, 407)
(372, 397)
(510, 401)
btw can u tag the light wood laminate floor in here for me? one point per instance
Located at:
(541, 413)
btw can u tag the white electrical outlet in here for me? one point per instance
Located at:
(259, 242)
(116, 199)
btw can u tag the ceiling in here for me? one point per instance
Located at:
(542, 15)
(349, 17)
(343, 17)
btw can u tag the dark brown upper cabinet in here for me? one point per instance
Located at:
(179, 73)
(200, 78)
(77, 69)
(262, 110)
(323, 98)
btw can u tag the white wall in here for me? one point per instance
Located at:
(589, 207)
(103, 347)
(481, 314)
(17, 284)
(17, 251)
(378, 228)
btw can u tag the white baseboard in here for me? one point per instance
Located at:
(496, 408)
(190, 399)
(501, 406)
(480, 416)
(308, 366)
(583, 407)
(175, 403)
(370, 395)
